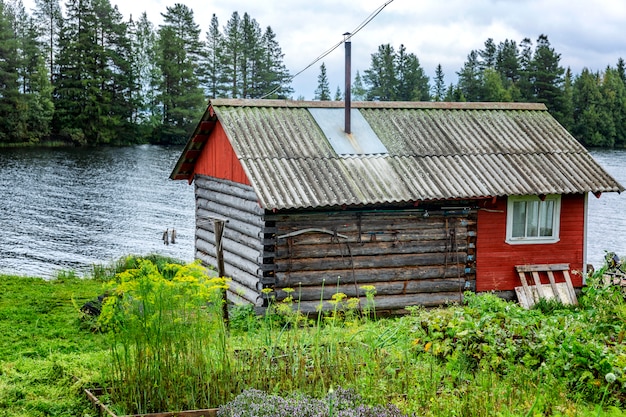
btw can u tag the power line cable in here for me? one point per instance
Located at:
(347, 37)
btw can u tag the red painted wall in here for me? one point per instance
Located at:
(496, 259)
(218, 159)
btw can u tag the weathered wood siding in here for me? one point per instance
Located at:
(243, 233)
(495, 267)
(218, 159)
(409, 257)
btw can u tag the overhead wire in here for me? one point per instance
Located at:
(347, 37)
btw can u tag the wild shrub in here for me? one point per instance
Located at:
(168, 340)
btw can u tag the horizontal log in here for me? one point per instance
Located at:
(244, 278)
(229, 246)
(352, 236)
(383, 288)
(251, 241)
(227, 212)
(367, 215)
(296, 252)
(366, 262)
(242, 227)
(368, 276)
(234, 202)
(230, 259)
(238, 292)
(226, 187)
(392, 303)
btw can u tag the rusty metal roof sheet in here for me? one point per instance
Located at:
(435, 151)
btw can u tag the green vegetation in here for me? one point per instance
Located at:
(163, 330)
(81, 75)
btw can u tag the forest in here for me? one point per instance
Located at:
(82, 75)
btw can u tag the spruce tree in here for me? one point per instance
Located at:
(322, 92)
(12, 127)
(274, 77)
(359, 93)
(146, 114)
(212, 62)
(470, 78)
(338, 94)
(439, 89)
(232, 54)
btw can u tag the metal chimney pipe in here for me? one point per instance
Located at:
(347, 93)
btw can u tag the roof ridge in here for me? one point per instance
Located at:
(434, 105)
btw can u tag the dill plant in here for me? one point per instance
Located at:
(168, 338)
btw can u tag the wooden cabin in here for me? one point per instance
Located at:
(421, 200)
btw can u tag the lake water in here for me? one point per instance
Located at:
(67, 209)
(72, 208)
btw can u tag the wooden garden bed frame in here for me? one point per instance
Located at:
(103, 410)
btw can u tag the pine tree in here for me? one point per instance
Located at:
(547, 75)
(76, 94)
(525, 84)
(36, 91)
(411, 81)
(621, 69)
(181, 96)
(322, 92)
(50, 21)
(381, 77)
(507, 63)
(251, 57)
(488, 55)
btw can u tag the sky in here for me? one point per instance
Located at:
(587, 33)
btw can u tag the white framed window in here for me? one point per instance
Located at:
(531, 219)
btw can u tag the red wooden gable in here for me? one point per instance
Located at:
(218, 159)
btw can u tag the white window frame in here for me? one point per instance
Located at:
(525, 240)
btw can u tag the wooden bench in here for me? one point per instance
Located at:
(528, 295)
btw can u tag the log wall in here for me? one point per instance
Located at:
(242, 240)
(409, 257)
(412, 257)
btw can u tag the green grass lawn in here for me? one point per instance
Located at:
(484, 358)
(47, 354)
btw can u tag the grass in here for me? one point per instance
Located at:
(46, 352)
(485, 358)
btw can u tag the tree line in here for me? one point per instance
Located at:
(591, 105)
(85, 76)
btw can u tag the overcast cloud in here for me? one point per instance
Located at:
(586, 33)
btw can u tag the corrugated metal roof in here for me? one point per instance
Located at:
(435, 151)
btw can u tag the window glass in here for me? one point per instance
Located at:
(519, 219)
(532, 220)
